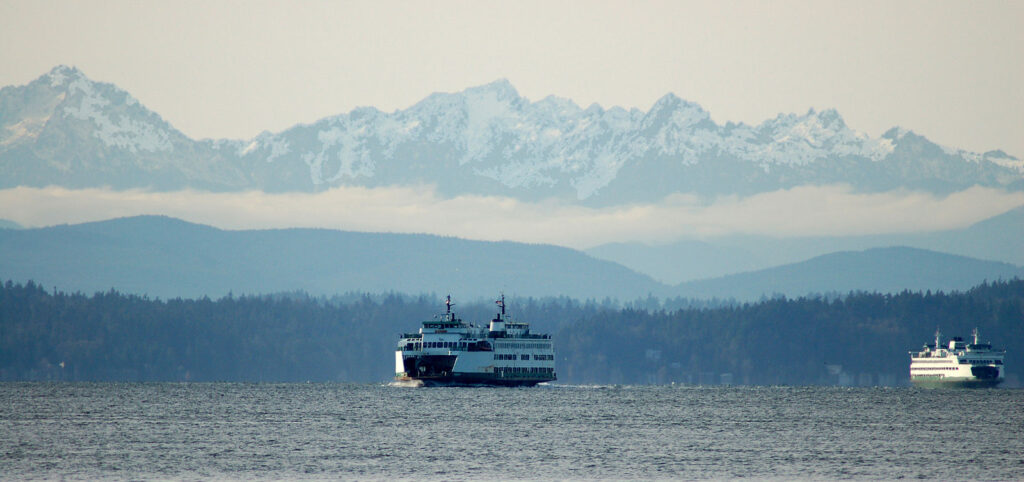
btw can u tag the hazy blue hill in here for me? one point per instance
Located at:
(8, 224)
(166, 257)
(681, 261)
(994, 239)
(879, 269)
(1000, 238)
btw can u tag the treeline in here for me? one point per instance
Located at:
(855, 339)
(111, 336)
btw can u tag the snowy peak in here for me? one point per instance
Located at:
(813, 125)
(501, 89)
(672, 111)
(898, 134)
(62, 75)
(789, 138)
(104, 112)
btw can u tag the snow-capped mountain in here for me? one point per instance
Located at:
(65, 129)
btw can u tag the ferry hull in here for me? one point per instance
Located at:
(471, 380)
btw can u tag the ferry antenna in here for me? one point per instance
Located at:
(448, 307)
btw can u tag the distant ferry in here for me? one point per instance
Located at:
(958, 364)
(446, 351)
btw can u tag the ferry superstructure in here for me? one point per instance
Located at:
(448, 351)
(957, 364)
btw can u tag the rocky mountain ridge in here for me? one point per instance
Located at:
(66, 129)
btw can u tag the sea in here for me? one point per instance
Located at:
(317, 431)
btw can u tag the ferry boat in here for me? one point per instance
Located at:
(449, 352)
(957, 364)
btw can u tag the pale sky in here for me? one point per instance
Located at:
(951, 71)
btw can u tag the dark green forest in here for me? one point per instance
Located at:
(852, 339)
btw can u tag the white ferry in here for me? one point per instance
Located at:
(448, 352)
(957, 364)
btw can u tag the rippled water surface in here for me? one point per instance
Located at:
(338, 431)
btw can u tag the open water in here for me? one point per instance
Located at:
(348, 431)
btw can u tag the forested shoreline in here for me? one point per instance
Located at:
(852, 339)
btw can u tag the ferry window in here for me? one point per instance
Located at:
(524, 357)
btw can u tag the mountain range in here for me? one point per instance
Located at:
(166, 257)
(65, 129)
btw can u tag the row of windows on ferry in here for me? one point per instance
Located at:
(524, 346)
(961, 361)
(509, 371)
(461, 345)
(453, 345)
(524, 356)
